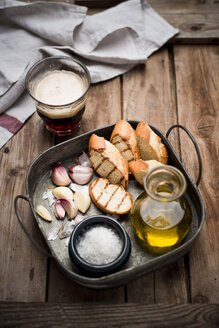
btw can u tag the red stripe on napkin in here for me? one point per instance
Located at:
(10, 123)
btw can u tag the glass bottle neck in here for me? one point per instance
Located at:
(165, 183)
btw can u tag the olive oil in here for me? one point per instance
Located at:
(161, 220)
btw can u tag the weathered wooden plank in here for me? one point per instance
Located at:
(195, 28)
(119, 315)
(103, 108)
(185, 6)
(197, 77)
(23, 268)
(197, 20)
(149, 94)
(163, 6)
(61, 289)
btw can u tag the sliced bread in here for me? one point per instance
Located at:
(110, 198)
(139, 168)
(150, 145)
(124, 138)
(107, 161)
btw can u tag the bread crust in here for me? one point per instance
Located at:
(110, 152)
(144, 132)
(95, 201)
(140, 168)
(128, 134)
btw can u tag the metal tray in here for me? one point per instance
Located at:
(140, 261)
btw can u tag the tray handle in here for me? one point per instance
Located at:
(24, 228)
(195, 145)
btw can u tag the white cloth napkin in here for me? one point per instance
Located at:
(109, 43)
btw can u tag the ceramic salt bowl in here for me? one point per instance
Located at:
(89, 268)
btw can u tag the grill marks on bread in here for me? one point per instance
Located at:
(107, 161)
(121, 145)
(124, 138)
(111, 198)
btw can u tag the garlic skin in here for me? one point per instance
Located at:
(79, 218)
(43, 213)
(63, 192)
(82, 200)
(49, 196)
(66, 230)
(70, 207)
(60, 176)
(81, 174)
(59, 211)
(76, 187)
(52, 234)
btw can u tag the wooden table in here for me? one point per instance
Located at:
(178, 84)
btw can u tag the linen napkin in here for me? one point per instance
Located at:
(109, 43)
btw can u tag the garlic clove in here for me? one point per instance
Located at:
(84, 160)
(82, 200)
(59, 211)
(43, 213)
(60, 176)
(80, 174)
(63, 192)
(70, 207)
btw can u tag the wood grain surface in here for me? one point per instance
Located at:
(120, 315)
(197, 80)
(197, 20)
(23, 270)
(178, 84)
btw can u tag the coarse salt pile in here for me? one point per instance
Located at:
(99, 245)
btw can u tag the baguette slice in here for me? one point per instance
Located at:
(124, 139)
(107, 161)
(150, 145)
(139, 168)
(110, 198)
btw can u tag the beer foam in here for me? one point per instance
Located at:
(58, 88)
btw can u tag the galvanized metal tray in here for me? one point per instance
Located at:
(140, 261)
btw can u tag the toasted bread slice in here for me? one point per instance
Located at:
(110, 198)
(139, 168)
(124, 139)
(150, 145)
(107, 161)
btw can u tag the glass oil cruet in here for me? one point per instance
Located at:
(161, 216)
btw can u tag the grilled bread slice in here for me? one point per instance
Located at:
(150, 145)
(124, 139)
(139, 168)
(110, 198)
(107, 161)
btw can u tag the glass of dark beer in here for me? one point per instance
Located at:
(59, 86)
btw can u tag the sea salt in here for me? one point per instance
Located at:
(99, 245)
